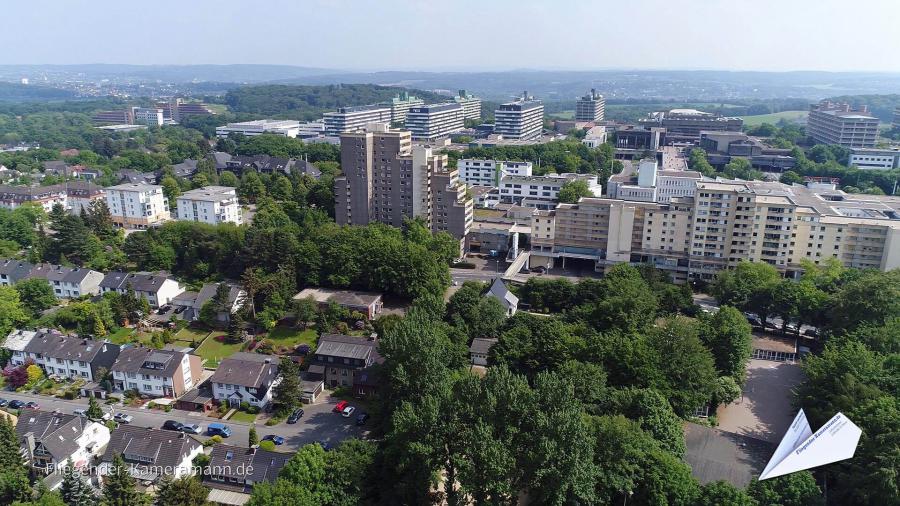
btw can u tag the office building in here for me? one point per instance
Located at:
(113, 118)
(522, 119)
(685, 125)
(150, 116)
(401, 104)
(177, 108)
(838, 123)
(590, 107)
(311, 129)
(476, 172)
(541, 192)
(880, 159)
(209, 204)
(286, 128)
(640, 138)
(137, 205)
(470, 103)
(726, 222)
(429, 122)
(351, 119)
(650, 184)
(387, 180)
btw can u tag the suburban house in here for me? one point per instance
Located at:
(190, 303)
(48, 440)
(231, 480)
(149, 452)
(507, 299)
(156, 373)
(67, 282)
(245, 377)
(479, 350)
(68, 356)
(338, 358)
(368, 303)
(159, 288)
(17, 340)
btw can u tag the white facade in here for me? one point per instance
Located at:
(156, 385)
(286, 128)
(476, 172)
(225, 391)
(429, 122)
(595, 137)
(210, 204)
(351, 119)
(653, 185)
(470, 103)
(879, 159)
(311, 128)
(137, 205)
(147, 116)
(523, 119)
(541, 192)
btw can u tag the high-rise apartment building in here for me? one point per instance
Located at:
(137, 205)
(150, 116)
(470, 103)
(429, 122)
(351, 119)
(522, 119)
(386, 179)
(726, 222)
(400, 106)
(590, 107)
(832, 123)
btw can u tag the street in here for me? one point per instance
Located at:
(317, 424)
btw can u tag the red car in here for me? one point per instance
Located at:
(339, 407)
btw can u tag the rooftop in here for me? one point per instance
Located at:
(209, 193)
(341, 297)
(338, 345)
(247, 369)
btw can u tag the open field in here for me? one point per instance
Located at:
(774, 118)
(213, 351)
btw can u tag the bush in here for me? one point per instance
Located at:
(274, 421)
(267, 445)
(463, 265)
(245, 406)
(223, 408)
(213, 441)
(303, 349)
(168, 408)
(252, 410)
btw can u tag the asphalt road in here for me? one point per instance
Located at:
(318, 422)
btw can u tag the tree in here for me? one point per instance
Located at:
(94, 411)
(790, 177)
(795, 489)
(722, 493)
(688, 374)
(287, 392)
(119, 486)
(185, 491)
(349, 473)
(36, 295)
(571, 191)
(728, 336)
(281, 492)
(871, 297)
(747, 287)
(12, 311)
(305, 309)
(227, 178)
(14, 484)
(625, 301)
(35, 374)
(171, 189)
(75, 490)
(253, 438)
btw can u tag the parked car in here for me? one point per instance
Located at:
(339, 407)
(123, 418)
(295, 415)
(754, 319)
(163, 309)
(180, 309)
(278, 440)
(218, 429)
(172, 425)
(16, 404)
(3, 403)
(191, 428)
(361, 418)
(811, 332)
(80, 412)
(348, 411)
(32, 405)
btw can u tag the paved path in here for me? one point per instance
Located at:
(318, 422)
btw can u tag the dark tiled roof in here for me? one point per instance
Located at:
(67, 347)
(337, 345)
(266, 464)
(247, 369)
(481, 345)
(307, 168)
(143, 446)
(57, 433)
(61, 273)
(15, 270)
(148, 361)
(140, 281)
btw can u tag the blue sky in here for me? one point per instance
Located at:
(460, 34)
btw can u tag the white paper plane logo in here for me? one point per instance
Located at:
(800, 449)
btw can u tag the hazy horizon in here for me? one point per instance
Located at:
(465, 36)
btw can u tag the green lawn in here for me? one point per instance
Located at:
(291, 337)
(213, 351)
(774, 118)
(126, 335)
(188, 335)
(240, 416)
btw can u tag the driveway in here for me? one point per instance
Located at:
(318, 422)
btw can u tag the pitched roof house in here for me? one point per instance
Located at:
(193, 302)
(147, 451)
(479, 350)
(66, 282)
(69, 356)
(157, 373)
(338, 358)
(507, 299)
(245, 377)
(51, 439)
(229, 465)
(159, 288)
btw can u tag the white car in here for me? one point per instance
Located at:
(192, 428)
(123, 418)
(348, 411)
(80, 412)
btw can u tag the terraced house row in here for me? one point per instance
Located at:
(723, 223)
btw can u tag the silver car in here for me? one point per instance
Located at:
(192, 428)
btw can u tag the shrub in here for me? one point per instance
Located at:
(463, 265)
(274, 421)
(245, 406)
(252, 410)
(223, 408)
(303, 349)
(212, 441)
(168, 408)
(267, 445)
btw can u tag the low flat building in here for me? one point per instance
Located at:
(156, 373)
(137, 205)
(685, 125)
(284, 128)
(367, 303)
(245, 377)
(541, 192)
(210, 204)
(877, 159)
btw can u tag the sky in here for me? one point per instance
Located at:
(776, 35)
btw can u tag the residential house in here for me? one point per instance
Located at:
(16, 342)
(221, 159)
(264, 164)
(69, 356)
(148, 452)
(306, 168)
(234, 470)
(157, 287)
(479, 350)
(49, 440)
(132, 176)
(186, 169)
(14, 196)
(68, 282)
(367, 303)
(156, 373)
(13, 271)
(507, 299)
(245, 377)
(191, 303)
(338, 357)
(81, 194)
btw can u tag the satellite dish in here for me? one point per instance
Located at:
(800, 449)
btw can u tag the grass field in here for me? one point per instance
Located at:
(213, 351)
(217, 108)
(188, 335)
(240, 416)
(774, 118)
(291, 337)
